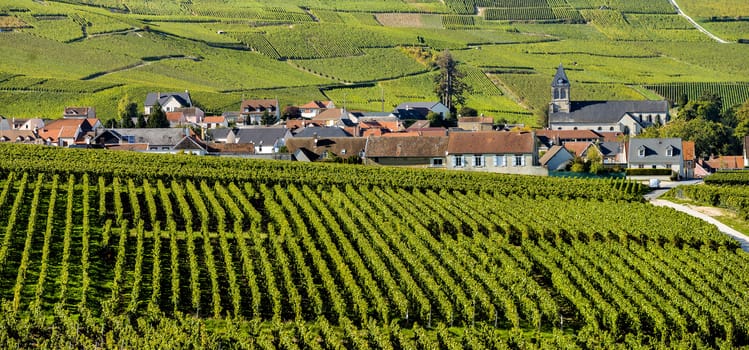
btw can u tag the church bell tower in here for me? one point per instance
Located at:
(560, 92)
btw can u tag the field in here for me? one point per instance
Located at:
(238, 48)
(142, 250)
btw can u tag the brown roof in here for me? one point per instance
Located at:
(175, 117)
(330, 114)
(214, 119)
(293, 124)
(343, 147)
(257, 105)
(612, 136)
(407, 146)
(726, 162)
(687, 150)
(13, 135)
(316, 104)
(484, 120)
(63, 128)
(420, 124)
(231, 148)
(577, 148)
(491, 142)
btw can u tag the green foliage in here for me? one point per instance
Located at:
(157, 118)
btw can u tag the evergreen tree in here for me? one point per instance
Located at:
(267, 118)
(157, 119)
(128, 114)
(141, 121)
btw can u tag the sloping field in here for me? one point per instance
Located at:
(240, 48)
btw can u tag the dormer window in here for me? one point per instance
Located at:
(669, 151)
(641, 151)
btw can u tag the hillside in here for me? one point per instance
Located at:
(117, 249)
(94, 52)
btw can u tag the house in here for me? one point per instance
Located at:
(296, 125)
(549, 138)
(311, 109)
(267, 140)
(230, 149)
(184, 116)
(322, 131)
(476, 123)
(190, 144)
(335, 117)
(613, 153)
(169, 101)
(556, 158)
(251, 111)
(221, 135)
(312, 149)
(628, 117)
(215, 122)
(64, 132)
(494, 151)
(660, 153)
(18, 136)
(157, 140)
(27, 124)
(420, 110)
(409, 151)
(375, 124)
(79, 112)
(724, 163)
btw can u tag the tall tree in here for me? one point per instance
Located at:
(141, 121)
(157, 119)
(448, 84)
(291, 112)
(128, 114)
(742, 120)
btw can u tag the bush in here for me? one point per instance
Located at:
(655, 172)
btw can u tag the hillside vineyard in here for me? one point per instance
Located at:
(114, 259)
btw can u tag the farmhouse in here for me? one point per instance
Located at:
(169, 101)
(494, 151)
(661, 153)
(251, 111)
(409, 151)
(420, 110)
(310, 149)
(628, 117)
(313, 108)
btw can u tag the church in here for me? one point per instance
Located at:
(628, 117)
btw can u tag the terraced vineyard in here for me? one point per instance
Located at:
(732, 93)
(105, 49)
(399, 258)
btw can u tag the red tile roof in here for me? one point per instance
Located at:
(726, 162)
(316, 104)
(688, 150)
(491, 142)
(214, 119)
(569, 134)
(577, 148)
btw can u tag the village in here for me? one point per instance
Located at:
(581, 137)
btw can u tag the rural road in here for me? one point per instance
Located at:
(653, 199)
(695, 24)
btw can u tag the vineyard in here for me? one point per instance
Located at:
(732, 93)
(728, 189)
(123, 249)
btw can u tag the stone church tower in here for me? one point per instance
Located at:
(560, 92)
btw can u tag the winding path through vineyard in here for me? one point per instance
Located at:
(696, 25)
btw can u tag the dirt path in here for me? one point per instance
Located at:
(743, 239)
(696, 25)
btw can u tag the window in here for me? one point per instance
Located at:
(458, 161)
(670, 151)
(518, 160)
(641, 152)
(500, 161)
(437, 162)
(478, 161)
